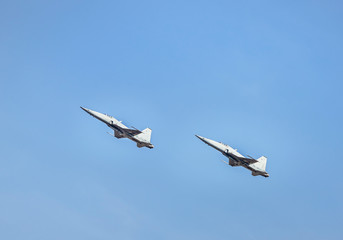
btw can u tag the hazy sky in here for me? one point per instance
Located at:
(262, 76)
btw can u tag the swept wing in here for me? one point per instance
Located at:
(248, 160)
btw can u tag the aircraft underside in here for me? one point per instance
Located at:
(254, 172)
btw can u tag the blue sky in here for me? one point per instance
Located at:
(262, 76)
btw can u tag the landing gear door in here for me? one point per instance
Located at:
(117, 134)
(233, 163)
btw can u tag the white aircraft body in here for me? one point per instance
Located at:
(256, 166)
(142, 138)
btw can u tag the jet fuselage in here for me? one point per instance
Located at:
(235, 158)
(121, 131)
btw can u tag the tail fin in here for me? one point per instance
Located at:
(145, 135)
(262, 162)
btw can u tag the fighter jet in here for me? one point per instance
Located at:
(256, 166)
(142, 138)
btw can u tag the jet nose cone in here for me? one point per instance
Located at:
(205, 140)
(84, 109)
(200, 137)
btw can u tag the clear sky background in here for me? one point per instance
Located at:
(262, 76)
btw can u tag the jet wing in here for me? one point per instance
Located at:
(248, 160)
(131, 131)
(125, 130)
